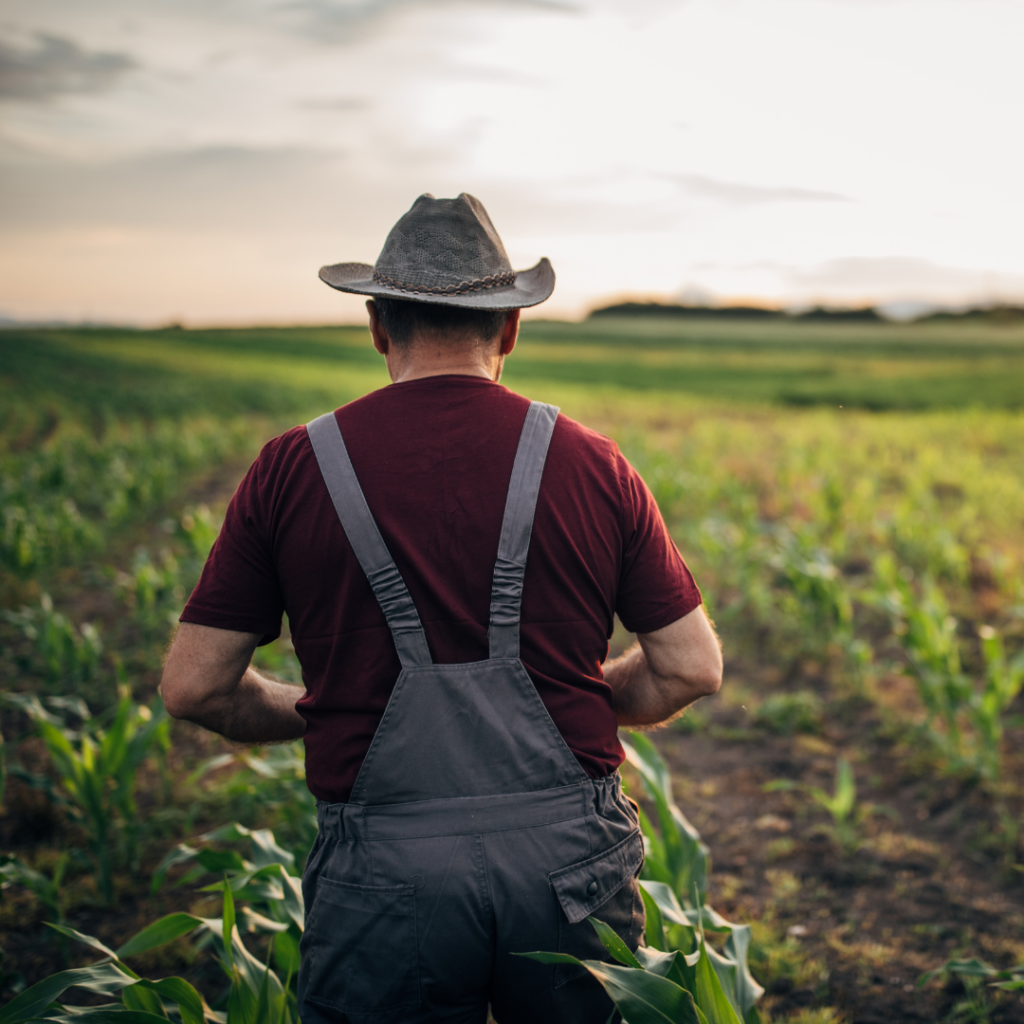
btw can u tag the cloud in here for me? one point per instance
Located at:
(887, 274)
(334, 104)
(736, 194)
(57, 66)
(332, 21)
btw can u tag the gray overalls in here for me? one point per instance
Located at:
(471, 831)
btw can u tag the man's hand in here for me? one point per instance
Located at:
(667, 670)
(208, 680)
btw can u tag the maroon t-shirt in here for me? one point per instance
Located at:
(434, 457)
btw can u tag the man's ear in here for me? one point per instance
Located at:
(381, 342)
(510, 332)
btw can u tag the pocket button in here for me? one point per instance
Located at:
(592, 888)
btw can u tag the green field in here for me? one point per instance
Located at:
(849, 496)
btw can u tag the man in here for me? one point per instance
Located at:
(451, 557)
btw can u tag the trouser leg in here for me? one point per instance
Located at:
(530, 918)
(397, 933)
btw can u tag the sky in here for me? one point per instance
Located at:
(197, 161)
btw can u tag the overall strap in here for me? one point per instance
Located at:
(367, 543)
(516, 527)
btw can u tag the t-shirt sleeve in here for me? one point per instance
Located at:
(238, 588)
(655, 588)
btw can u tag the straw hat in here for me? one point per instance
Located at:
(445, 251)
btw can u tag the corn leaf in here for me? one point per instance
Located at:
(286, 953)
(748, 991)
(710, 997)
(114, 1014)
(86, 940)
(144, 999)
(611, 941)
(159, 933)
(640, 996)
(179, 991)
(654, 929)
(104, 978)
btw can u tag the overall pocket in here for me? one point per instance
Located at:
(361, 942)
(604, 886)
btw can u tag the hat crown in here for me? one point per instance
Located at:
(444, 246)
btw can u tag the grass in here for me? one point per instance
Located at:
(830, 484)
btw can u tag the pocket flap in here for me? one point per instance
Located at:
(582, 888)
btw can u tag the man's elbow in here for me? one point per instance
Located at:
(178, 697)
(709, 681)
(705, 680)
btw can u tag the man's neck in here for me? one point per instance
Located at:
(421, 360)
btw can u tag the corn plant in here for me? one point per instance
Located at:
(821, 600)
(96, 768)
(658, 985)
(978, 979)
(65, 651)
(847, 815)
(1003, 680)
(268, 782)
(971, 714)
(46, 889)
(256, 994)
(675, 874)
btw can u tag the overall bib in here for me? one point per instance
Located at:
(471, 831)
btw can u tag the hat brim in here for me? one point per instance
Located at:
(531, 288)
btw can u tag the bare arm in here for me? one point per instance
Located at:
(208, 680)
(667, 670)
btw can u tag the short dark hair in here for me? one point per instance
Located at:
(403, 319)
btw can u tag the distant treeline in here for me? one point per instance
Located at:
(865, 314)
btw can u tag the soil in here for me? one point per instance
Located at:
(927, 881)
(852, 929)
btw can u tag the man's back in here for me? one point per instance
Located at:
(434, 458)
(487, 817)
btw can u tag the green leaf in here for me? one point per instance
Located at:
(86, 940)
(654, 929)
(241, 1002)
(159, 933)
(253, 922)
(737, 946)
(286, 954)
(676, 965)
(144, 999)
(613, 943)
(973, 968)
(219, 861)
(266, 851)
(655, 848)
(103, 978)
(181, 854)
(180, 992)
(642, 997)
(227, 833)
(710, 997)
(845, 797)
(294, 904)
(667, 903)
(228, 922)
(115, 1014)
(552, 958)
